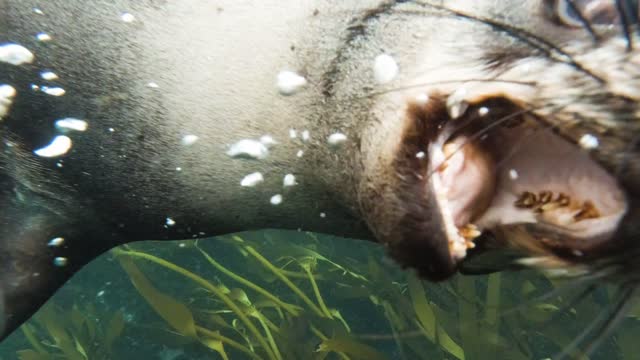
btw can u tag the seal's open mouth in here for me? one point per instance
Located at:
(500, 170)
(522, 174)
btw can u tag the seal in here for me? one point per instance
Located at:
(448, 131)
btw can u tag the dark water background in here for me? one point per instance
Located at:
(339, 299)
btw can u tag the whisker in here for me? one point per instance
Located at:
(584, 21)
(547, 47)
(479, 134)
(625, 22)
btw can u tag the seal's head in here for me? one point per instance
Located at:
(529, 150)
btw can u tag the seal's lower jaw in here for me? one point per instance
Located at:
(523, 183)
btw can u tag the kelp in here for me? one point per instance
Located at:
(274, 296)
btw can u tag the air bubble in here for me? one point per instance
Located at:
(288, 82)
(268, 141)
(56, 242)
(276, 199)
(48, 75)
(60, 261)
(189, 140)
(67, 124)
(252, 180)
(589, 141)
(53, 91)
(127, 17)
(43, 37)
(248, 148)
(289, 180)
(15, 54)
(337, 139)
(385, 68)
(305, 135)
(169, 221)
(59, 146)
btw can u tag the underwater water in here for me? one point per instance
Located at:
(287, 295)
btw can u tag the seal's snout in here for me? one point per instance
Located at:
(493, 170)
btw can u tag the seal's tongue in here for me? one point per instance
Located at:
(523, 174)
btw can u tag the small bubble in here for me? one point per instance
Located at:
(15, 54)
(153, 85)
(589, 141)
(127, 17)
(293, 133)
(169, 222)
(71, 124)
(60, 145)
(268, 141)
(53, 91)
(323, 215)
(252, 180)
(56, 242)
(289, 180)
(248, 148)
(385, 68)
(288, 82)
(513, 174)
(182, 245)
(306, 135)
(60, 261)
(178, 168)
(111, 129)
(100, 293)
(483, 111)
(276, 199)
(337, 139)
(38, 11)
(300, 153)
(420, 155)
(43, 37)
(189, 140)
(48, 75)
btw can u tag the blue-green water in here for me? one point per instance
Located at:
(287, 295)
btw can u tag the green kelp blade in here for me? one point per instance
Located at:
(350, 347)
(55, 325)
(32, 355)
(176, 314)
(77, 319)
(427, 319)
(303, 251)
(114, 329)
(215, 345)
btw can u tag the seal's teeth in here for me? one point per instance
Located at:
(545, 197)
(587, 211)
(469, 232)
(527, 200)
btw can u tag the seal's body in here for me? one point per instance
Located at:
(406, 122)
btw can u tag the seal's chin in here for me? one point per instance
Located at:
(498, 171)
(523, 183)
